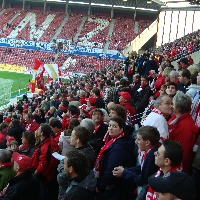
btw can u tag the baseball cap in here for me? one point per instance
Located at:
(92, 100)
(23, 161)
(177, 183)
(125, 95)
(10, 138)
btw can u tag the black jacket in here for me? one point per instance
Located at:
(96, 140)
(183, 88)
(23, 187)
(16, 132)
(143, 99)
(149, 65)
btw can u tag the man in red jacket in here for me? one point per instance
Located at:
(45, 164)
(31, 125)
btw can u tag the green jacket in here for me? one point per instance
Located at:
(6, 173)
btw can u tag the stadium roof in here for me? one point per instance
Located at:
(143, 5)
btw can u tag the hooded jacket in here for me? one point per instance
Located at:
(81, 187)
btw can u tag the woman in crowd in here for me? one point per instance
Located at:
(171, 89)
(117, 151)
(28, 144)
(182, 128)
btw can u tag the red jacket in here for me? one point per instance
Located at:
(43, 161)
(159, 82)
(32, 127)
(127, 105)
(184, 131)
(66, 121)
(82, 100)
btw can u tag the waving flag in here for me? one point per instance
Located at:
(52, 70)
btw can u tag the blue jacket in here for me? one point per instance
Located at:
(138, 176)
(120, 153)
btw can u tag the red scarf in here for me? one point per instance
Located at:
(150, 193)
(7, 164)
(97, 128)
(108, 143)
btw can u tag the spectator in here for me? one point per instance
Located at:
(184, 80)
(16, 130)
(28, 144)
(144, 93)
(182, 128)
(96, 139)
(168, 158)
(24, 185)
(194, 87)
(31, 125)
(175, 185)
(3, 130)
(109, 92)
(117, 151)
(159, 116)
(56, 127)
(147, 141)
(82, 183)
(171, 89)
(6, 168)
(45, 164)
(174, 76)
(149, 65)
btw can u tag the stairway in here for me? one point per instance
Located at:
(60, 28)
(110, 31)
(80, 28)
(10, 21)
(136, 27)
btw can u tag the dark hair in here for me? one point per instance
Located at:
(30, 115)
(123, 82)
(186, 73)
(46, 129)
(3, 125)
(145, 77)
(173, 151)
(193, 78)
(78, 161)
(30, 137)
(108, 82)
(96, 91)
(55, 123)
(73, 123)
(149, 133)
(117, 77)
(137, 76)
(121, 122)
(82, 133)
(172, 83)
(120, 110)
(97, 110)
(73, 109)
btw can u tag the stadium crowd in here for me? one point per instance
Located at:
(102, 135)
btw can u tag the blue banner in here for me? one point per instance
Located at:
(51, 47)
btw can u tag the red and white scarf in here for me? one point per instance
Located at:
(108, 143)
(97, 128)
(155, 110)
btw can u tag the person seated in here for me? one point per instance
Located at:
(82, 183)
(147, 141)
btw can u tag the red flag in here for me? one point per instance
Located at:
(37, 64)
(96, 64)
(48, 79)
(29, 85)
